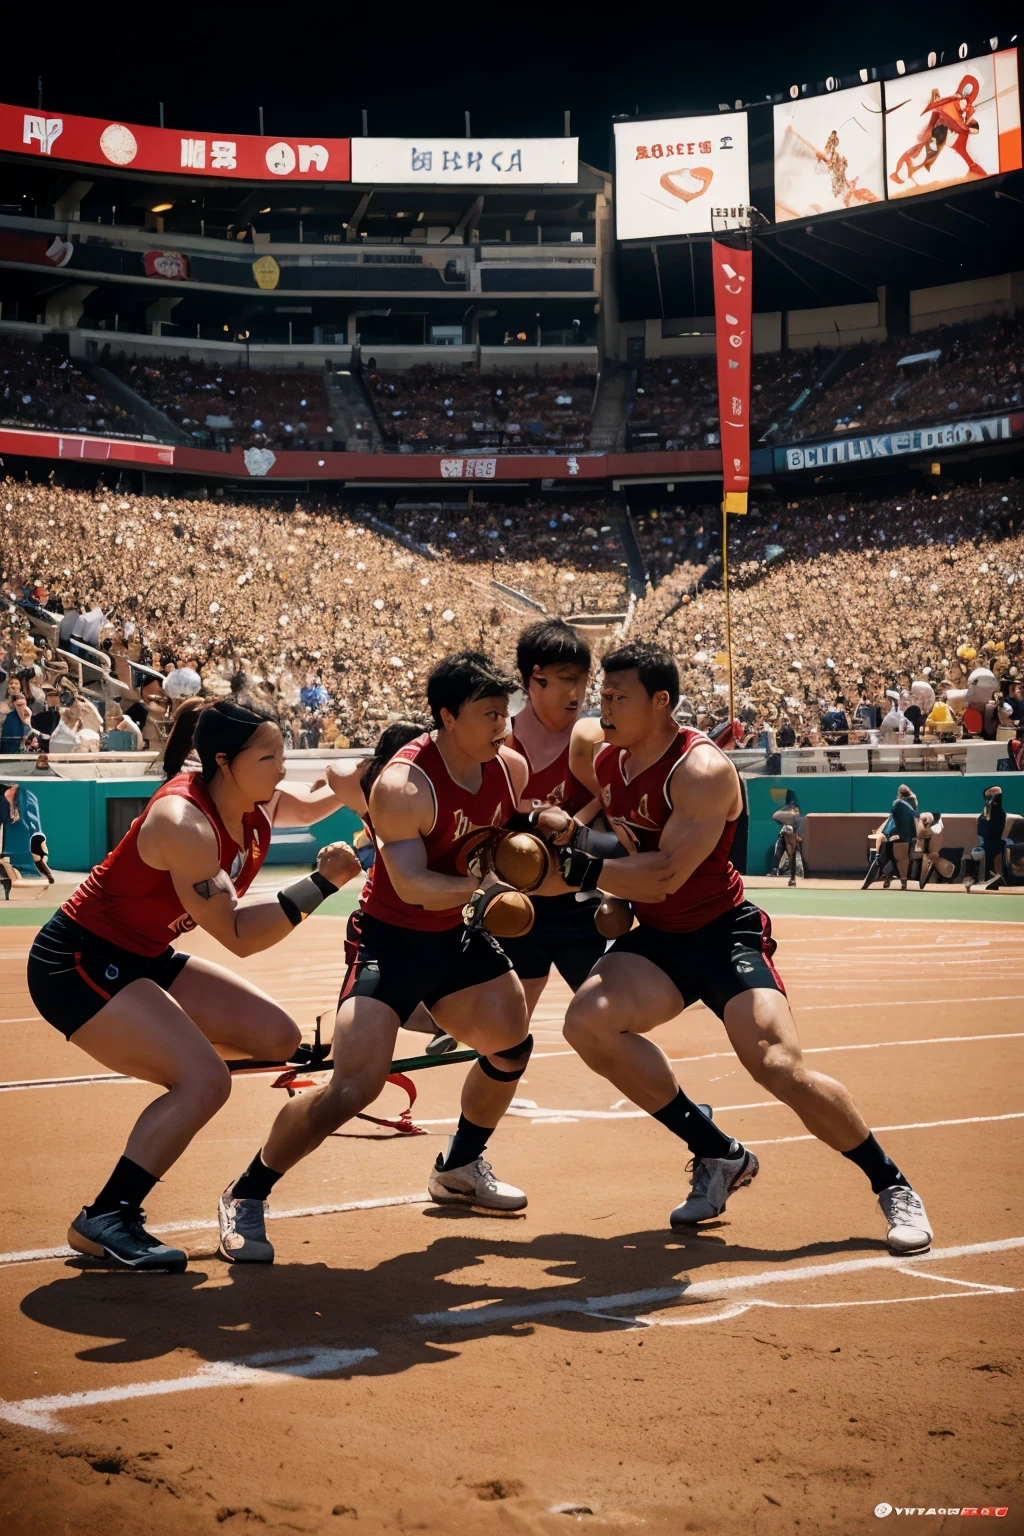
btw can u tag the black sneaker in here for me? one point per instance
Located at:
(120, 1235)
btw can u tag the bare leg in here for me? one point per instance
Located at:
(490, 1018)
(762, 1033)
(236, 1017)
(143, 1033)
(623, 996)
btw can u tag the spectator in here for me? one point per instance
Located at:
(899, 827)
(122, 734)
(17, 720)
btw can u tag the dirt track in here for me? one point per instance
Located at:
(800, 1379)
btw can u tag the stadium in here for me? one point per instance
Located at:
(553, 538)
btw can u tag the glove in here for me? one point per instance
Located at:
(500, 910)
(580, 870)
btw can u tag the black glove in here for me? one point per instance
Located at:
(579, 869)
(475, 910)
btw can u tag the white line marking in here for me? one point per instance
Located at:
(874, 1045)
(42, 1412)
(249, 1370)
(974, 1285)
(924, 1002)
(918, 1125)
(713, 1289)
(36, 1255)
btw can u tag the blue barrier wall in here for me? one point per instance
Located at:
(947, 794)
(73, 813)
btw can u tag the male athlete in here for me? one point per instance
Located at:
(554, 664)
(669, 789)
(438, 799)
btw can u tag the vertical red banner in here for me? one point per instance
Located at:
(733, 272)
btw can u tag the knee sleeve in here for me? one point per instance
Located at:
(520, 1054)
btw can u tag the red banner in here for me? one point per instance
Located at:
(169, 151)
(733, 270)
(170, 264)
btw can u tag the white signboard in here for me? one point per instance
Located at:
(671, 172)
(466, 162)
(828, 153)
(890, 445)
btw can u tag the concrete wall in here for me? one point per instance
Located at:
(954, 303)
(836, 325)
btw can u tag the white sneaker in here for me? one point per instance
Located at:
(904, 1210)
(714, 1180)
(243, 1231)
(473, 1184)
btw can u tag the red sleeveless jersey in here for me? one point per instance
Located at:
(461, 821)
(555, 784)
(135, 906)
(638, 809)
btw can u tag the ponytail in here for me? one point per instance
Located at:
(390, 741)
(208, 729)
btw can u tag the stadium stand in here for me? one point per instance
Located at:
(432, 408)
(39, 387)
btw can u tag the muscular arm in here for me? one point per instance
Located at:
(178, 838)
(586, 737)
(705, 794)
(300, 805)
(402, 811)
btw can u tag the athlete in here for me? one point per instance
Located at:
(103, 970)
(439, 799)
(671, 794)
(554, 664)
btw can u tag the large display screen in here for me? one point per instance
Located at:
(952, 125)
(828, 153)
(671, 172)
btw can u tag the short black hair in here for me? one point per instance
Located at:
(548, 643)
(462, 677)
(654, 666)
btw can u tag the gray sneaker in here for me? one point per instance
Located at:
(714, 1180)
(120, 1235)
(904, 1210)
(243, 1231)
(474, 1184)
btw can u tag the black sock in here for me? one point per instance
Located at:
(128, 1185)
(881, 1170)
(468, 1143)
(686, 1119)
(256, 1182)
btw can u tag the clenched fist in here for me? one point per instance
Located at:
(338, 863)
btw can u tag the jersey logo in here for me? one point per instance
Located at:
(625, 834)
(182, 924)
(642, 809)
(606, 794)
(557, 795)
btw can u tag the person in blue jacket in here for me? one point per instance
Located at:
(900, 827)
(21, 833)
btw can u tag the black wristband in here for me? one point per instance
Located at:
(299, 900)
(579, 870)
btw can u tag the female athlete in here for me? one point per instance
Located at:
(103, 970)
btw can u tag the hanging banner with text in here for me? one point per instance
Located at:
(732, 272)
(167, 151)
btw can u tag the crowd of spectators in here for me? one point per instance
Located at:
(979, 368)
(40, 388)
(675, 399)
(433, 409)
(224, 407)
(330, 616)
(834, 599)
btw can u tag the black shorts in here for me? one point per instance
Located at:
(72, 972)
(403, 967)
(563, 935)
(730, 955)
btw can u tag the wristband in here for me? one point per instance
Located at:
(302, 898)
(600, 845)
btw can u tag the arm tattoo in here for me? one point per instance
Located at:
(217, 885)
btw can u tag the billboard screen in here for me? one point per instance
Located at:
(828, 153)
(167, 151)
(952, 125)
(448, 162)
(671, 172)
